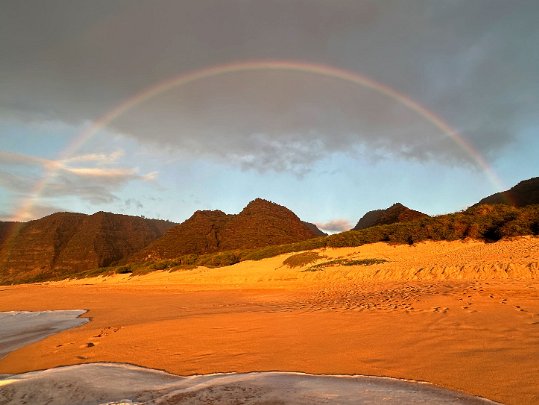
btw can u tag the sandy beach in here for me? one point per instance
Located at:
(460, 315)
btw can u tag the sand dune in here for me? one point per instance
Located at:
(469, 321)
(516, 259)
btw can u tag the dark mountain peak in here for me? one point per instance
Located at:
(395, 213)
(259, 204)
(398, 206)
(524, 193)
(259, 201)
(207, 214)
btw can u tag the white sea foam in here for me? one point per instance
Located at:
(112, 383)
(18, 328)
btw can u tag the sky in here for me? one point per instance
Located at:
(331, 108)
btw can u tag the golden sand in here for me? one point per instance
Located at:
(462, 315)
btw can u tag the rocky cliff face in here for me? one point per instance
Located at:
(260, 223)
(6, 229)
(524, 193)
(396, 213)
(62, 243)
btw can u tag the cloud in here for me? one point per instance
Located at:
(334, 226)
(471, 63)
(16, 181)
(31, 211)
(99, 158)
(132, 202)
(64, 178)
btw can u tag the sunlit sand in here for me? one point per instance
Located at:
(460, 315)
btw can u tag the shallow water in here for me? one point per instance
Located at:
(19, 328)
(114, 383)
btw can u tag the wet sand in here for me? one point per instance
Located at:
(463, 316)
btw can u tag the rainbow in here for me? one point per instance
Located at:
(265, 65)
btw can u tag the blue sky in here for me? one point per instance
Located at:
(327, 149)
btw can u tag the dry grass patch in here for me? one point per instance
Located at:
(302, 259)
(346, 262)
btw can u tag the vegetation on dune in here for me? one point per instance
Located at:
(485, 222)
(302, 259)
(345, 262)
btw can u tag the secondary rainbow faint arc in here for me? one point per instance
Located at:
(282, 65)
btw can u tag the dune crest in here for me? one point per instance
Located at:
(425, 261)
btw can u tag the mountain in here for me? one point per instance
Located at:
(314, 229)
(396, 213)
(260, 223)
(524, 193)
(201, 233)
(67, 242)
(263, 223)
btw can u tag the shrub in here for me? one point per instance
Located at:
(160, 266)
(363, 262)
(345, 262)
(301, 259)
(124, 270)
(219, 259)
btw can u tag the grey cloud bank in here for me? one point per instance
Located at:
(472, 62)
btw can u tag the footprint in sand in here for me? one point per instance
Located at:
(88, 345)
(61, 345)
(107, 331)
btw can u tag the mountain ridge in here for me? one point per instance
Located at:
(260, 223)
(523, 193)
(67, 241)
(393, 214)
(61, 245)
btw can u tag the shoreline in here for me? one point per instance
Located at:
(21, 328)
(142, 384)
